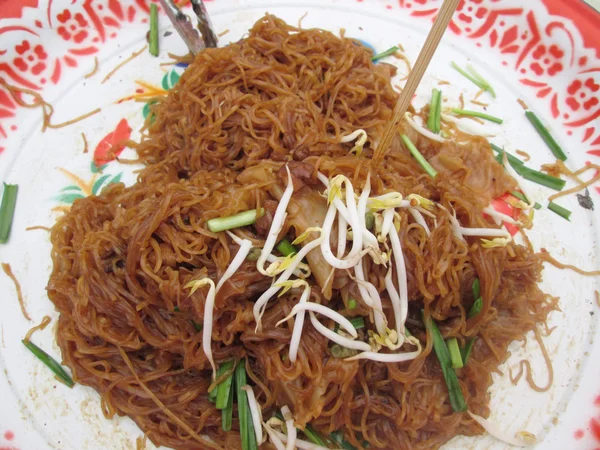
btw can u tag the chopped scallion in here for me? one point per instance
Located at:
(511, 158)
(337, 351)
(369, 220)
(457, 400)
(236, 221)
(476, 308)
(254, 254)
(556, 150)
(357, 323)
(7, 210)
(314, 436)
(541, 178)
(338, 438)
(197, 326)
(388, 52)
(465, 112)
(472, 75)
(455, 357)
(465, 352)
(212, 395)
(562, 212)
(478, 304)
(153, 30)
(227, 412)
(476, 288)
(246, 427)
(50, 362)
(522, 197)
(224, 388)
(532, 175)
(286, 248)
(435, 111)
(352, 303)
(417, 155)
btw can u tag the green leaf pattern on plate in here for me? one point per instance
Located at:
(72, 192)
(169, 80)
(98, 184)
(69, 198)
(95, 169)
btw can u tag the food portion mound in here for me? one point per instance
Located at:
(222, 142)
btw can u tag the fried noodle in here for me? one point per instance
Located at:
(216, 147)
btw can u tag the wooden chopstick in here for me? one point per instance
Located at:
(431, 43)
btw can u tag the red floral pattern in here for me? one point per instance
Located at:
(111, 146)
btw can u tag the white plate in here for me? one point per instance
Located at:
(497, 36)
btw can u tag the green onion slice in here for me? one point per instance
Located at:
(435, 111)
(227, 412)
(246, 426)
(224, 388)
(388, 52)
(522, 197)
(562, 212)
(457, 400)
(465, 352)
(236, 221)
(476, 288)
(418, 156)
(286, 248)
(472, 75)
(50, 362)
(529, 174)
(478, 304)
(511, 158)
(469, 113)
(369, 220)
(7, 210)
(455, 356)
(153, 30)
(556, 150)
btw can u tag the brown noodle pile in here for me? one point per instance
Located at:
(215, 147)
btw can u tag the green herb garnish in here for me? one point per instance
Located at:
(457, 400)
(472, 75)
(418, 156)
(7, 210)
(522, 197)
(556, 150)
(465, 352)
(455, 356)
(153, 30)
(478, 304)
(286, 248)
(434, 121)
(236, 221)
(247, 433)
(468, 113)
(369, 220)
(388, 52)
(562, 212)
(50, 362)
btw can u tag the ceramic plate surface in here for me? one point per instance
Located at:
(544, 52)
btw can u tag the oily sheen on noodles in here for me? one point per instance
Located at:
(217, 145)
